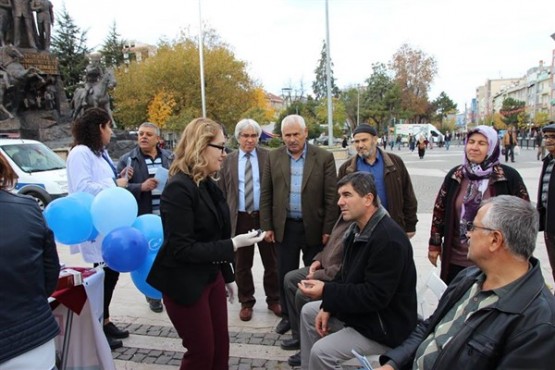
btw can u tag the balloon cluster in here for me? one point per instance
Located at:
(130, 243)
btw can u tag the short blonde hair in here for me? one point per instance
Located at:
(188, 153)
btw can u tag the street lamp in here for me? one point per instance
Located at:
(358, 105)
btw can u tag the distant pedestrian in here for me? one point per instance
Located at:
(344, 143)
(448, 137)
(421, 146)
(509, 143)
(399, 142)
(412, 142)
(539, 143)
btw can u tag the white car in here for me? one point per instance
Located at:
(41, 172)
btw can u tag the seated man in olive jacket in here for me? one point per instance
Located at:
(498, 314)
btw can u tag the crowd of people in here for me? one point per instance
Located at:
(352, 229)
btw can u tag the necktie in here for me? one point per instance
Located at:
(249, 192)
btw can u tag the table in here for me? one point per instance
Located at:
(79, 313)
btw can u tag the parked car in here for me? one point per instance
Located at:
(41, 172)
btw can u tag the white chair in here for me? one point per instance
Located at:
(427, 305)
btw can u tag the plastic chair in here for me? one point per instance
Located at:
(435, 285)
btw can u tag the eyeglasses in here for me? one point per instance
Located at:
(221, 147)
(471, 227)
(549, 137)
(247, 136)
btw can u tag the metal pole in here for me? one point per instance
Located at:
(328, 73)
(201, 58)
(358, 105)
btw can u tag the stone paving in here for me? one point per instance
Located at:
(154, 344)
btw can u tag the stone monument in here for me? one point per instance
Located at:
(33, 103)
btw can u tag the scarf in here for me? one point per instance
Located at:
(478, 176)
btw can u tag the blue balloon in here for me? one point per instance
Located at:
(151, 227)
(113, 208)
(86, 200)
(70, 221)
(139, 278)
(124, 249)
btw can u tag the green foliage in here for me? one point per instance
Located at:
(230, 92)
(275, 142)
(320, 84)
(511, 110)
(441, 107)
(69, 44)
(112, 49)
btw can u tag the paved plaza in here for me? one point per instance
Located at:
(154, 344)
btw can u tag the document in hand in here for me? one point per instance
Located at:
(363, 360)
(162, 177)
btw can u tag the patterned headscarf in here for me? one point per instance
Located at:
(478, 175)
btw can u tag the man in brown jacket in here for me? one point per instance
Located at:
(509, 143)
(392, 179)
(298, 200)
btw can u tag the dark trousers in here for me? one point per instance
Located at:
(509, 152)
(202, 327)
(110, 280)
(550, 245)
(243, 264)
(295, 299)
(289, 251)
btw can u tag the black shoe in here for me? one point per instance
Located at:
(295, 360)
(114, 343)
(290, 344)
(112, 331)
(283, 326)
(155, 305)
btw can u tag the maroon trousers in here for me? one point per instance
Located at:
(203, 329)
(244, 260)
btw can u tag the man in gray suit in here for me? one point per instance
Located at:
(298, 205)
(235, 180)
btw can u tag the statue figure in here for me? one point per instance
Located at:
(5, 21)
(23, 16)
(94, 94)
(93, 73)
(45, 20)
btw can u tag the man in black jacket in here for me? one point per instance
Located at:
(143, 162)
(546, 194)
(371, 303)
(496, 315)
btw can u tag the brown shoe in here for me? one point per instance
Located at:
(275, 308)
(245, 314)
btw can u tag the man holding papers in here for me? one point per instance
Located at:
(147, 164)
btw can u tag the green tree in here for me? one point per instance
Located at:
(442, 106)
(320, 84)
(230, 92)
(381, 99)
(414, 73)
(69, 44)
(112, 49)
(511, 109)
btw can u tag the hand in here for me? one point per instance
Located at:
(270, 237)
(411, 234)
(432, 256)
(313, 289)
(316, 265)
(127, 172)
(231, 291)
(325, 239)
(149, 184)
(321, 323)
(122, 182)
(247, 239)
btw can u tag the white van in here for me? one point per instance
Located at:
(41, 172)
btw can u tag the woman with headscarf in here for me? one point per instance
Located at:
(480, 177)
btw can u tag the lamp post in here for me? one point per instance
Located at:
(328, 73)
(201, 59)
(358, 105)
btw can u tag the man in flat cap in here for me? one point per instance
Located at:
(546, 194)
(390, 174)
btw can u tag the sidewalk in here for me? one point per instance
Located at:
(154, 344)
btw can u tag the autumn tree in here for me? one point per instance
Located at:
(320, 84)
(262, 112)
(69, 44)
(160, 108)
(112, 49)
(414, 73)
(230, 91)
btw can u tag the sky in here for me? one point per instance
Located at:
(281, 40)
